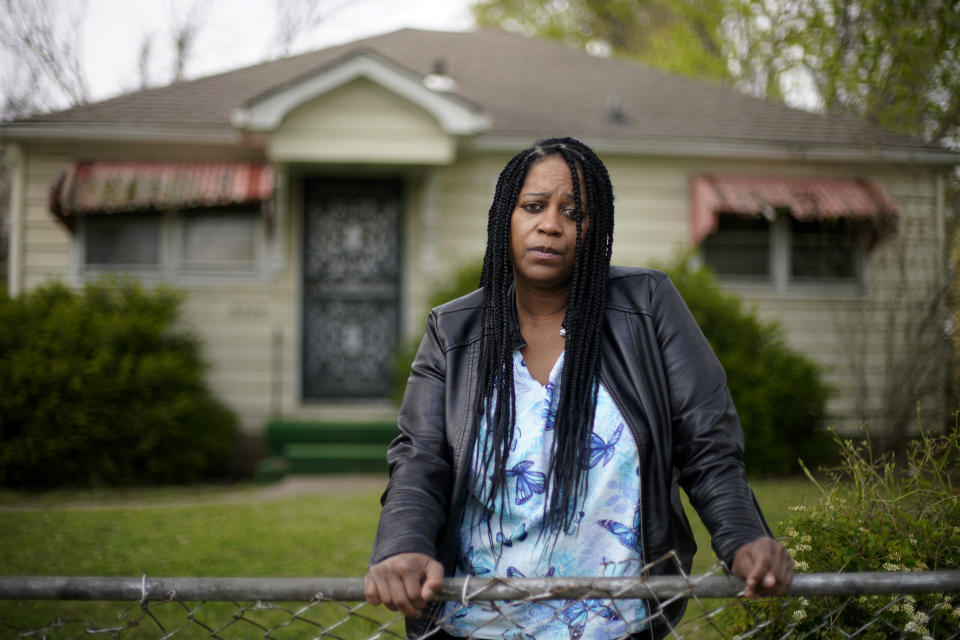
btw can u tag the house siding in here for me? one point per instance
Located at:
(844, 330)
(46, 242)
(364, 123)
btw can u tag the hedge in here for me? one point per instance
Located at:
(100, 387)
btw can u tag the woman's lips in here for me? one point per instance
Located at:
(543, 253)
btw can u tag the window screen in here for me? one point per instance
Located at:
(739, 247)
(122, 240)
(824, 249)
(227, 240)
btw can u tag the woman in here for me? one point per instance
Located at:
(549, 418)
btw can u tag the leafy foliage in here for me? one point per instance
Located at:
(891, 62)
(679, 36)
(464, 280)
(101, 388)
(879, 516)
(779, 394)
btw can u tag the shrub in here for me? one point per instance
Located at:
(779, 394)
(877, 516)
(464, 280)
(100, 388)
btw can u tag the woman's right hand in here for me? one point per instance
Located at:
(404, 582)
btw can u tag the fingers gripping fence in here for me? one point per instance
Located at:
(858, 605)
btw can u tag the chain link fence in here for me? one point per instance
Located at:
(915, 605)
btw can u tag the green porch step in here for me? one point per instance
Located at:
(280, 433)
(324, 447)
(335, 458)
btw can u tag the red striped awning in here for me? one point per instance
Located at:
(806, 198)
(112, 187)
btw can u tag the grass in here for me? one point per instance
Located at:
(294, 536)
(775, 497)
(154, 532)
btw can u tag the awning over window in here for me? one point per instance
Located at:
(112, 187)
(806, 198)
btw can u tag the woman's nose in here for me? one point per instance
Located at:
(550, 220)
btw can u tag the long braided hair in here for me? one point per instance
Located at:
(569, 455)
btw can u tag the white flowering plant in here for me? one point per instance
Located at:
(876, 514)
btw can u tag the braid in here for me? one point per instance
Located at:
(566, 478)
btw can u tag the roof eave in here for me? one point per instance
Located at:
(84, 131)
(455, 115)
(738, 149)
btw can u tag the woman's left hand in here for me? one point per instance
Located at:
(766, 567)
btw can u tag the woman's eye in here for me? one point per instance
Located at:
(532, 207)
(570, 213)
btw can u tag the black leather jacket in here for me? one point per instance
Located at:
(667, 383)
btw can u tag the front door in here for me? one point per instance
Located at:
(351, 287)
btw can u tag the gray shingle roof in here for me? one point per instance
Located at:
(525, 85)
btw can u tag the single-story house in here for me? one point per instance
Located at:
(309, 205)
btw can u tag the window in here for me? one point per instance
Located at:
(825, 249)
(122, 241)
(174, 245)
(786, 251)
(223, 241)
(740, 247)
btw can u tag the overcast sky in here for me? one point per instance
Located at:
(233, 33)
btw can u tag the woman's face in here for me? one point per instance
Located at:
(543, 226)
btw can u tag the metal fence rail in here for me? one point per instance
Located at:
(914, 605)
(351, 589)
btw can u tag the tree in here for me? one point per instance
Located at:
(679, 36)
(184, 28)
(41, 43)
(42, 52)
(893, 63)
(295, 18)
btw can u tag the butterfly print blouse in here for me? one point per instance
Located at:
(604, 541)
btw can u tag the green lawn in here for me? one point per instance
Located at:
(306, 535)
(775, 498)
(295, 536)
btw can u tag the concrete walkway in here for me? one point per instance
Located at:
(289, 486)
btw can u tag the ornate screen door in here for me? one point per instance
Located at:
(351, 287)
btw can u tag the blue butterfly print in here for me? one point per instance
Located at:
(549, 414)
(513, 572)
(516, 537)
(628, 537)
(529, 483)
(604, 451)
(471, 565)
(576, 612)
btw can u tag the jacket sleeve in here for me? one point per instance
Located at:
(415, 500)
(707, 436)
